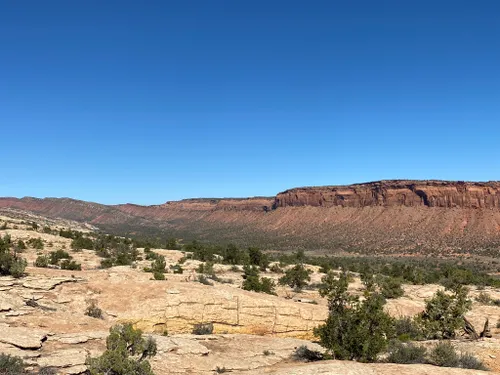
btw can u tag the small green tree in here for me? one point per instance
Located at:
(126, 353)
(258, 258)
(254, 283)
(354, 329)
(10, 262)
(159, 264)
(296, 277)
(42, 261)
(444, 313)
(390, 287)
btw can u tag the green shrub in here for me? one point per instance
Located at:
(296, 277)
(391, 287)
(406, 329)
(10, 365)
(177, 269)
(158, 275)
(468, 361)
(21, 245)
(11, 264)
(67, 264)
(17, 267)
(106, 263)
(206, 268)
(258, 258)
(56, 256)
(444, 354)
(354, 329)
(159, 264)
(252, 281)
(126, 353)
(444, 313)
(303, 353)
(406, 353)
(203, 329)
(93, 310)
(42, 261)
(81, 242)
(36, 243)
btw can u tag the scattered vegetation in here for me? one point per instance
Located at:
(126, 353)
(36, 243)
(254, 283)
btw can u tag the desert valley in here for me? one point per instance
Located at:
(191, 277)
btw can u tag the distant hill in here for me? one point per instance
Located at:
(384, 217)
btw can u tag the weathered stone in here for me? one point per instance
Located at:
(64, 358)
(24, 338)
(48, 283)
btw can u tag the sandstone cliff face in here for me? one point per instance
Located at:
(396, 193)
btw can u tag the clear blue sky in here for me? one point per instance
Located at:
(149, 101)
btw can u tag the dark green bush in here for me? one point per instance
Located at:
(354, 329)
(252, 281)
(81, 242)
(177, 269)
(296, 277)
(10, 365)
(203, 329)
(444, 313)
(21, 245)
(56, 256)
(406, 329)
(391, 287)
(158, 275)
(36, 243)
(126, 353)
(42, 261)
(67, 264)
(10, 262)
(93, 310)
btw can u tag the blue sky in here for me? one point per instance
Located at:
(144, 102)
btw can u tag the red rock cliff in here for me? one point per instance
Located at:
(396, 193)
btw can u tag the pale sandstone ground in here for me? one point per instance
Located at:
(247, 324)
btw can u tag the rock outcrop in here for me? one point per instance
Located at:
(396, 193)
